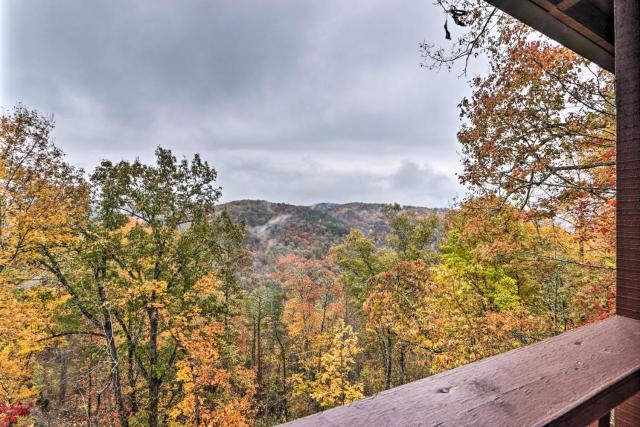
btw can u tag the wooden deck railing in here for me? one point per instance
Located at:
(572, 379)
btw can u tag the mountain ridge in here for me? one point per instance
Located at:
(276, 229)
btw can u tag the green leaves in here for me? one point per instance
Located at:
(170, 194)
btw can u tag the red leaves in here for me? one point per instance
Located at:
(536, 123)
(10, 412)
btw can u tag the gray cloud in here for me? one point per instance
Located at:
(291, 100)
(409, 184)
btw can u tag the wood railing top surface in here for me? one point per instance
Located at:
(571, 379)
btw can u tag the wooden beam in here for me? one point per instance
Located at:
(559, 12)
(627, 54)
(545, 17)
(566, 4)
(572, 379)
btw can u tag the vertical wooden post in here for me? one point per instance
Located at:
(604, 421)
(627, 63)
(627, 45)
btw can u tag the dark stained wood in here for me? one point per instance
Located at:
(628, 414)
(627, 54)
(627, 15)
(584, 26)
(584, 16)
(590, 16)
(572, 379)
(604, 421)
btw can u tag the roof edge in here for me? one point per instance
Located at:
(541, 20)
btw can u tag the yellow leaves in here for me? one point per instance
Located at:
(301, 387)
(184, 373)
(42, 197)
(231, 414)
(401, 299)
(208, 286)
(24, 316)
(213, 394)
(332, 384)
(131, 225)
(151, 292)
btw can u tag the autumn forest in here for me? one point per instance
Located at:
(129, 295)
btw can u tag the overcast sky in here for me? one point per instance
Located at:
(296, 101)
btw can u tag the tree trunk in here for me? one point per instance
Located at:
(283, 360)
(131, 377)
(402, 378)
(97, 412)
(153, 381)
(89, 401)
(385, 344)
(64, 364)
(259, 343)
(387, 379)
(112, 350)
(115, 373)
(253, 343)
(196, 410)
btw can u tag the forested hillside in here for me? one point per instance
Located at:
(277, 229)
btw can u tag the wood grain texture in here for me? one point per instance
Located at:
(628, 414)
(627, 58)
(572, 379)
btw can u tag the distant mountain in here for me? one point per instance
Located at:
(277, 229)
